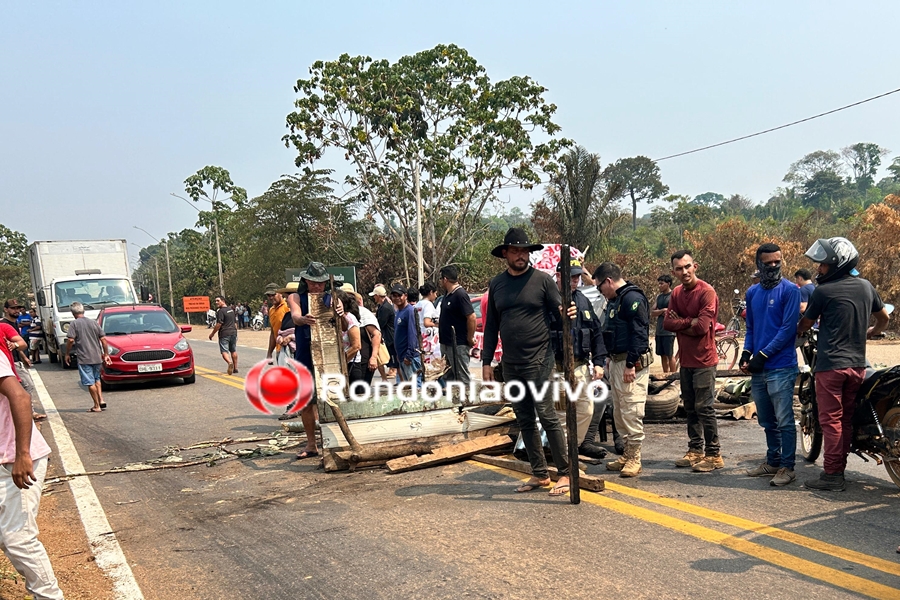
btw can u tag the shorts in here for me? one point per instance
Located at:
(90, 374)
(228, 343)
(665, 345)
(36, 344)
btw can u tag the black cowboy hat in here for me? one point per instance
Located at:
(518, 238)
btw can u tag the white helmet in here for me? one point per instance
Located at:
(837, 252)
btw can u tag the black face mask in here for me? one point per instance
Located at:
(769, 276)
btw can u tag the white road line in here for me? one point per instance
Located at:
(104, 545)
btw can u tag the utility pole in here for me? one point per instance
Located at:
(216, 231)
(168, 266)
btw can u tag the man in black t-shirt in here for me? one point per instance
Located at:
(521, 302)
(843, 303)
(665, 340)
(384, 313)
(227, 330)
(456, 327)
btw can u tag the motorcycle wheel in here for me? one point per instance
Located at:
(892, 420)
(808, 429)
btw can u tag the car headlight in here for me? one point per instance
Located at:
(182, 345)
(112, 349)
(65, 327)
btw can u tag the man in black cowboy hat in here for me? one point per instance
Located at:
(312, 281)
(521, 302)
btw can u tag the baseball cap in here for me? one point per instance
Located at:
(12, 303)
(398, 288)
(378, 291)
(271, 289)
(348, 287)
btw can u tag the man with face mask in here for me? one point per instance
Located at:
(769, 356)
(843, 303)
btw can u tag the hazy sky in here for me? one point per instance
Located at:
(105, 108)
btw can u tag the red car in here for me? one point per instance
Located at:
(145, 344)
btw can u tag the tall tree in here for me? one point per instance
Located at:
(14, 279)
(639, 178)
(586, 205)
(432, 141)
(863, 159)
(894, 169)
(711, 199)
(815, 162)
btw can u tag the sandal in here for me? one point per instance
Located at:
(103, 406)
(307, 454)
(38, 416)
(94, 410)
(531, 485)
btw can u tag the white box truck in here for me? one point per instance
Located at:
(93, 272)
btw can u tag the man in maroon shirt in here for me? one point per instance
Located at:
(693, 311)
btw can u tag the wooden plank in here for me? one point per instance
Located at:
(588, 482)
(446, 454)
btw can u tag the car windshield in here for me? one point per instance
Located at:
(138, 321)
(93, 293)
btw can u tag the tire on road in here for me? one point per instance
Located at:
(662, 406)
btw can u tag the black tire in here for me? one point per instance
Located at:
(662, 406)
(809, 431)
(54, 357)
(191, 379)
(892, 420)
(106, 387)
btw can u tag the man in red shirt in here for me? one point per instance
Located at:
(692, 315)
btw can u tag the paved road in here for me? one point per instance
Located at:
(275, 528)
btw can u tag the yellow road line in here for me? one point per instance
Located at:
(205, 371)
(872, 562)
(230, 382)
(769, 555)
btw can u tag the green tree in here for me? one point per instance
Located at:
(711, 199)
(815, 162)
(14, 279)
(863, 159)
(894, 169)
(639, 178)
(822, 190)
(432, 141)
(585, 206)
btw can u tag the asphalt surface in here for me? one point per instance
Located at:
(278, 528)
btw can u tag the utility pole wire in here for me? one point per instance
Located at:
(779, 127)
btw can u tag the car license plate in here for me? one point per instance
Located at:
(150, 368)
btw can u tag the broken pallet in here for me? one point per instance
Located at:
(450, 453)
(585, 482)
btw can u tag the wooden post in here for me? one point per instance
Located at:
(339, 330)
(565, 258)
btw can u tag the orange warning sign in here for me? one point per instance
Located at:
(195, 304)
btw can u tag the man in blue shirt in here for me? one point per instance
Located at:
(770, 357)
(803, 278)
(406, 338)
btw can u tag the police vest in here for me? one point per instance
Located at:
(618, 331)
(581, 333)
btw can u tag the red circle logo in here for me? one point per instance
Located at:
(279, 386)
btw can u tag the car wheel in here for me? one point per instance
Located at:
(106, 387)
(191, 379)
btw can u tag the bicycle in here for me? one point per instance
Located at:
(727, 347)
(738, 314)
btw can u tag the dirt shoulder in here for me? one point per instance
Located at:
(62, 534)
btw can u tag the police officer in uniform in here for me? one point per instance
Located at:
(627, 337)
(589, 352)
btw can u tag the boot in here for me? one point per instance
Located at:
(632, 467)
(618, 464)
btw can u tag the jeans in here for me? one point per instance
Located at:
(698, 391)
(836, 395)
(408, 371)
(525, 409)
(458, 358)
(773, 393)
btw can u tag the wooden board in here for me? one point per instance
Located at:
(326, 349)
(587, 482)
(445, 454)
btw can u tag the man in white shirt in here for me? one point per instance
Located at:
(23, 456)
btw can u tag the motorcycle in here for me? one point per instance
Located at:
(257, 323)
(210, 319)
(876, 420)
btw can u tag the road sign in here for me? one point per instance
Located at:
(197, 304)
(341, 275)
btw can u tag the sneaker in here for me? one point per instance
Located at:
(827, 482)
(709, 463)
(690, 459)
(783, 477)
(763, 470)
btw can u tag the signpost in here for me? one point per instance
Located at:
(194, 304)
(342, 275)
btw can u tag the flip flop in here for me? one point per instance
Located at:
(560, 489)
(91, 409)
(531, 486)
(38, 416)
(103, 406)
(307, 454)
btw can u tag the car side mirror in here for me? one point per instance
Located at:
(41, 298)
(145, 294)
(186, 328)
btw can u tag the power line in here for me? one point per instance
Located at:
(780, 126)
